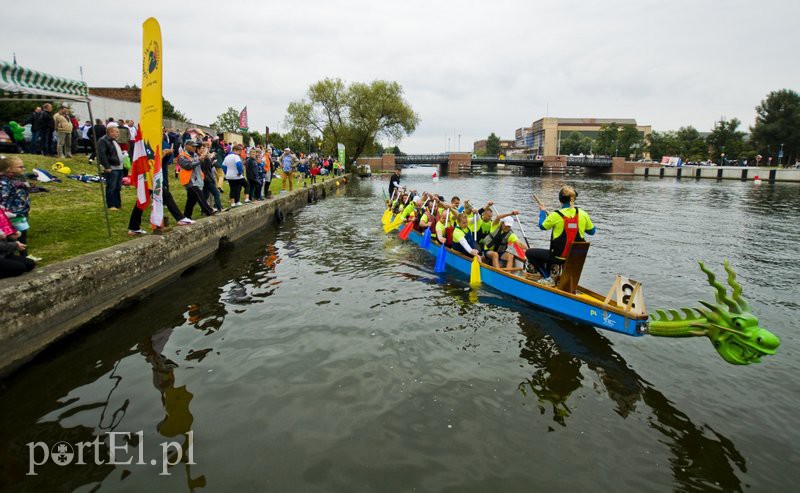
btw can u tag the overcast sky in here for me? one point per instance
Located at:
(467, 67)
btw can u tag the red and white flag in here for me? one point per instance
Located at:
(139, 169)
(157, 209)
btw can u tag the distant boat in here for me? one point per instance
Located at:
(364, 171)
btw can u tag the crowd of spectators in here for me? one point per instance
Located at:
(202, 163)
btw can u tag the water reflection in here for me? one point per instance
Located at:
(175, 400)
(701, 457)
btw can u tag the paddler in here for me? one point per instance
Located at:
(496, 244)
(568, 224)
(463, 240)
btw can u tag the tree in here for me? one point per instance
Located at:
(606, 143)
(397, 152)
(778, 125)
(691, 145)
(630, 142)
(17, 111)
(725, 138)
(662, 144)
(577, 143)
(172, 113)
(356, 115)
(228, 121)
(492, 145)
(257, 137)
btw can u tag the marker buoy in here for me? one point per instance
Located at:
(756, 180)
(435, 177)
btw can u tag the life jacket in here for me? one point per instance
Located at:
(468, 237)
(496, 240)
(559, 247)
(448, 236)
(185, 175)
(483, 233)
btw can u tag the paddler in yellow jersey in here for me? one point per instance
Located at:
(497, 244)
(463, 239)
(568, 224)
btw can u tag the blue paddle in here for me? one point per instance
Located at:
(442, 252)
(426, 238)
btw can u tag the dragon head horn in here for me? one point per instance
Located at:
(737, 289)
(722, 295)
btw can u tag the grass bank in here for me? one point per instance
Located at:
(68, 220)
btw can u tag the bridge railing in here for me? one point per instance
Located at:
(597, 162)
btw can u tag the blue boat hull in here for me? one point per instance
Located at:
(576, 307)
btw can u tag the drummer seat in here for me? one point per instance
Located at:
(569, 273)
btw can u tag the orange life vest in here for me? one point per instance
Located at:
(185, 175)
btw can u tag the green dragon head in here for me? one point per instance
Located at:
(729, 324)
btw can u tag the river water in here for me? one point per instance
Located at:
(326, 356)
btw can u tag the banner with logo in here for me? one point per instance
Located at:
(243, 119)
(340, 147)
(151, 116)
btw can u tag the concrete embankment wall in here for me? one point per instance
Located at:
(721, 173)
(41, 307)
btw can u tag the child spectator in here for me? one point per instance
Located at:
(12, 263)
(14, 195)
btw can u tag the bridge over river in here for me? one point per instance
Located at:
(465, 163)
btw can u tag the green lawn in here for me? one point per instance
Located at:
(68, 220)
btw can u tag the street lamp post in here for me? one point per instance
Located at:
(459, 142)
(780, 157)
(448, 144)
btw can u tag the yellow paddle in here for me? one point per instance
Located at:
(387, 214)
(475, 269)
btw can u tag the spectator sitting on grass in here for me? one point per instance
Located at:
(12, 263)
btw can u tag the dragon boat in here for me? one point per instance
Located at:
(729, 324)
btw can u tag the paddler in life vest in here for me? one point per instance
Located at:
(408, 211)
(496, 245)
(463, 239)
(429, 214)
(568, 224)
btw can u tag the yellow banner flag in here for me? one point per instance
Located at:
(151, 113)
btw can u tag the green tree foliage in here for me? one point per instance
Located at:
(257, 138)
(686, 143)
(228, 121)
(662, 144)
(778, 122)
(606, 143)
(692, 145)
(492, 145)
(172, 113)
(616, 140)
(577, 143)
(17, 111)
(630, 142)
(397, 152)
(725, 137)
(356, 115)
